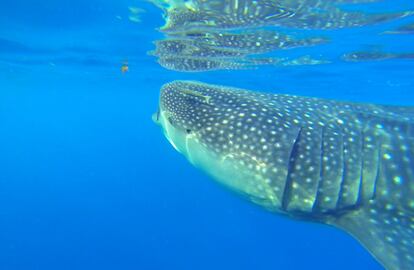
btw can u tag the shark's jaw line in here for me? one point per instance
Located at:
(224, 169)
(178, 138)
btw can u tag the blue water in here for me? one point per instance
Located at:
(87, 181)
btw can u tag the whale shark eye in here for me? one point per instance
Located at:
(188, 131)
(170, 120)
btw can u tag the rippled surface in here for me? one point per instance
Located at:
(233, 34)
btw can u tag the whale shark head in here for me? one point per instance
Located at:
(231, 134)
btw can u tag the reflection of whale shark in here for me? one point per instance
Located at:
(345, 164)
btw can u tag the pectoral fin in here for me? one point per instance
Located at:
(386, 232)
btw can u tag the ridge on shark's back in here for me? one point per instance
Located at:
(345, 164)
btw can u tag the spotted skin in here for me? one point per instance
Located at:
(224, 14)
(197, 51)
(195, 64)
(189, 48)
(235, 14)
(344, 164)
(247, 41)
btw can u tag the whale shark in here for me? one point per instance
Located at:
(348, 165)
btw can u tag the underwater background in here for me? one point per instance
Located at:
(88, 181)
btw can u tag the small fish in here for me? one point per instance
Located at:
(125, 67)
(206, 99)
(344, 164)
